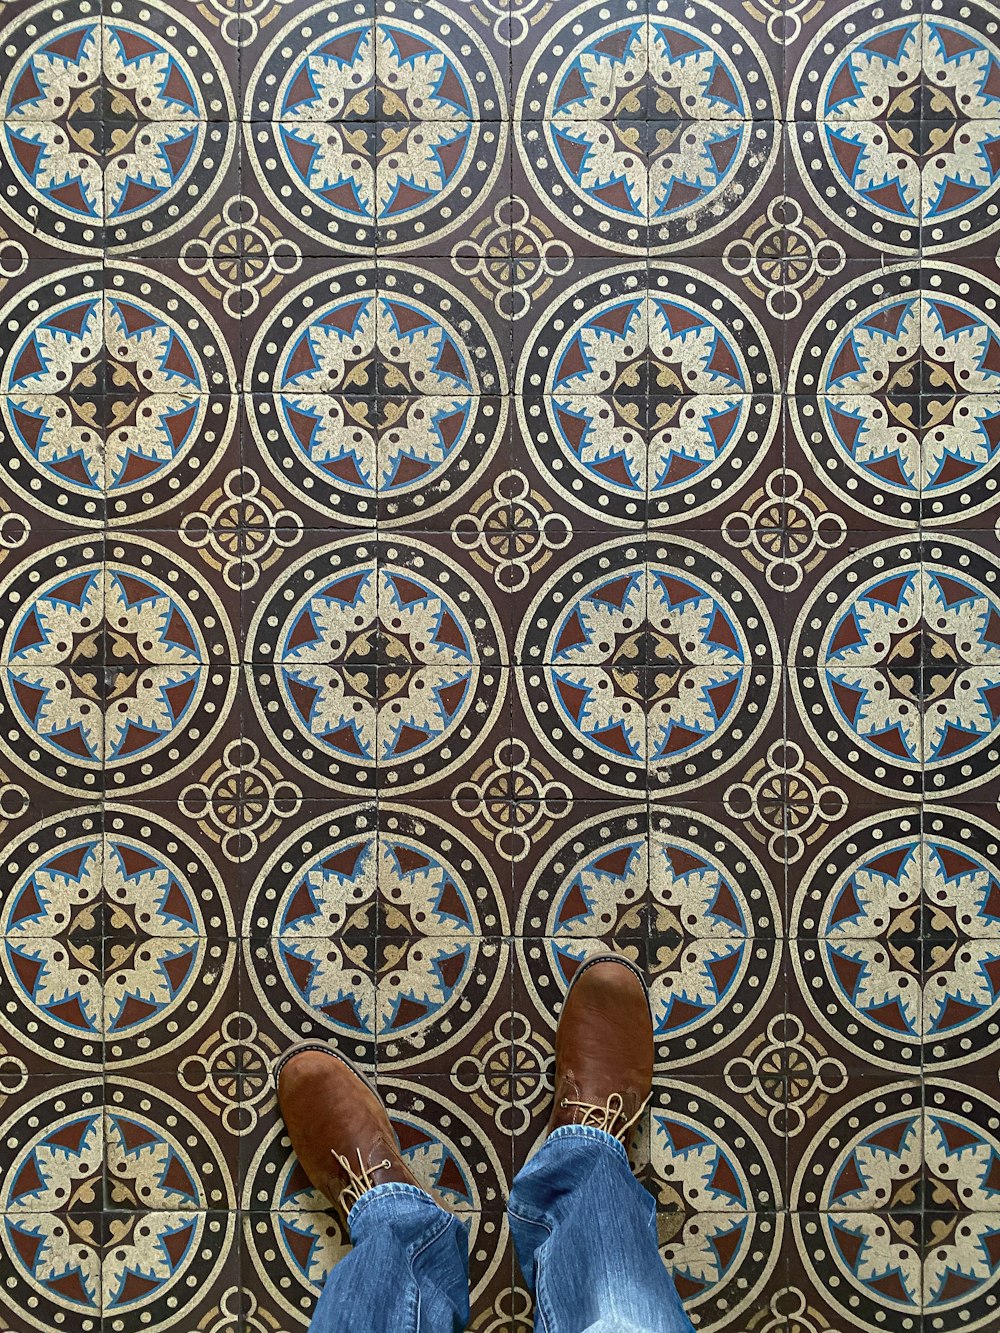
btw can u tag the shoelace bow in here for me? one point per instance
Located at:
(606, 1117)
(358, 1182)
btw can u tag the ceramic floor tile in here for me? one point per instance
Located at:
(208, 1245)
(853, 1267)
(480, 485)
(355, 146)
(56, 1258)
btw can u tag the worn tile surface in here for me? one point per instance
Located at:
(480, 481)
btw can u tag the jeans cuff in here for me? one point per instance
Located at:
(589, 1132)
(393, 1189)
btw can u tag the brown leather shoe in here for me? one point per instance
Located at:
(604, 1048)
(338, 1126)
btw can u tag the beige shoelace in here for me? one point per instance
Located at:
(606, 1117)
(358, 1182)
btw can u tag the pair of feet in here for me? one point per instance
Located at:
(603, 1078)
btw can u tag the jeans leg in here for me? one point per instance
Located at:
(407, 1271)
(585, 1234)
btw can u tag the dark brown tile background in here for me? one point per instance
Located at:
(479, 483)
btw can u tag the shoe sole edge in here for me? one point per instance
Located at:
(322, 1048)
(608, 957)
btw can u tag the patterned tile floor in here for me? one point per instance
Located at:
(480, 479)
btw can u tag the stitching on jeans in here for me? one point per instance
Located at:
(536, 1222)
(542, 1313)
(391, 1190)
(415, 1320)
(416, 1255)
(591, 1135)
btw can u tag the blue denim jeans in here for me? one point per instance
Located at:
(585, 1234)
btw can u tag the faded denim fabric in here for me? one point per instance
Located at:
(585, 1234)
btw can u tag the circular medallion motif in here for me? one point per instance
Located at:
(894, 125)
(288, 1221)
(104, 931)
(170, 122)
(904, 1217)
(646, 394)
(648, 134)
(377, 134)
(686, 883)
(69, 1262)
(900, 681)
(642, 658)
(899, 931)
(107, 665)
(719, 1197)
(313, 958)
(895, 394)
(383, 665)
(115, 393)
(387, 398)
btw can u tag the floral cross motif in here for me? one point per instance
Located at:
(786, 801)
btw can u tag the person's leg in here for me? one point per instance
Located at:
(585, 1234)
(584, 1228)
(408, 1270)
